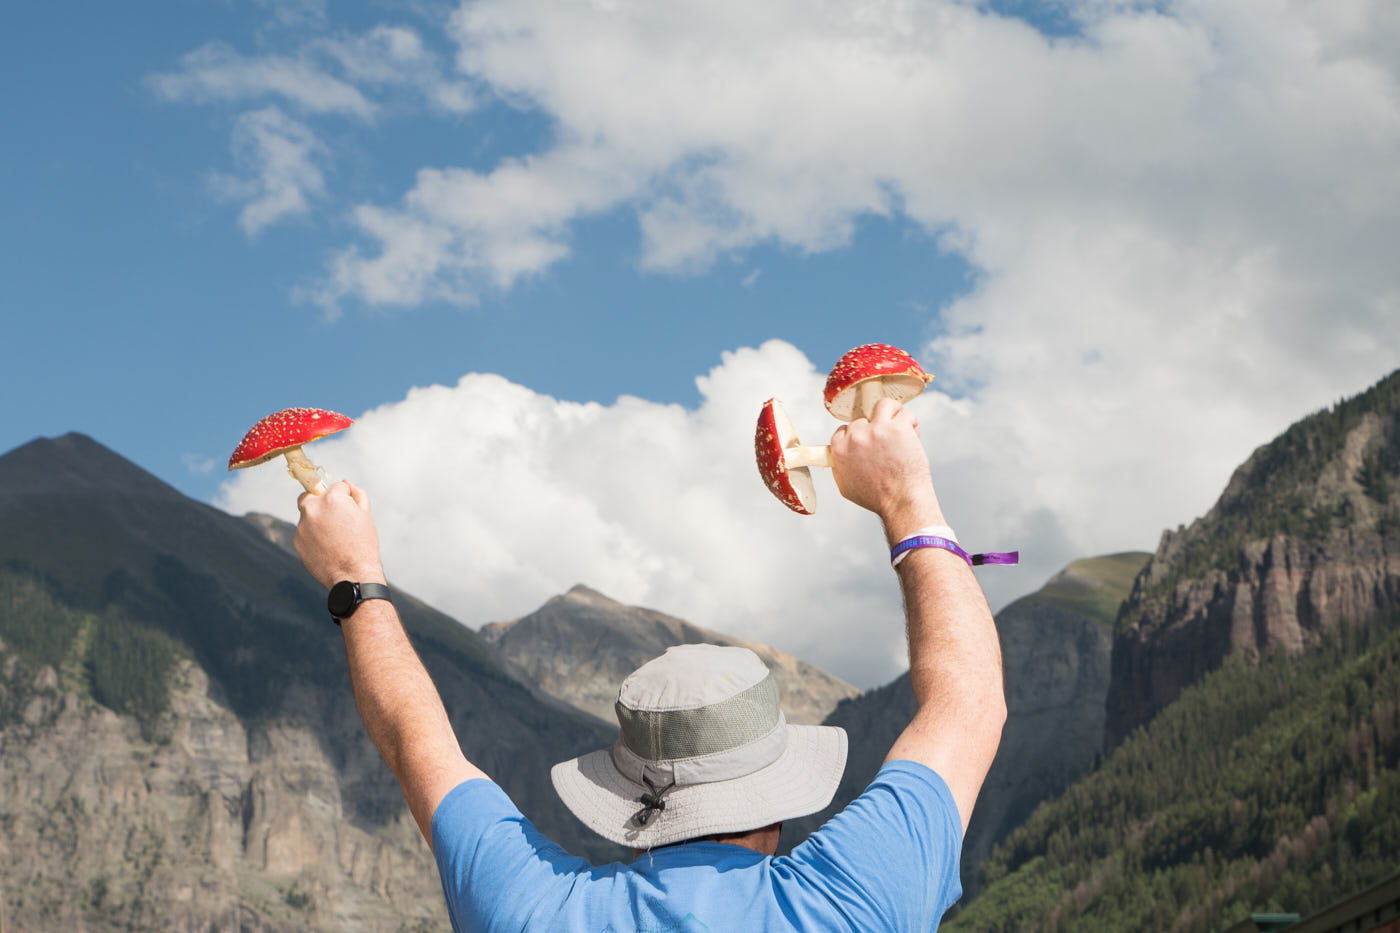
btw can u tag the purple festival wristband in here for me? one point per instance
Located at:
(918, 541)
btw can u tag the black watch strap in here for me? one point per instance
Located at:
(345, 597)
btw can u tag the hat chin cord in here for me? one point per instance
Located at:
(651, 801)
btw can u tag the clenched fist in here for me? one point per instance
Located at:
(880, 464)
(336, 537)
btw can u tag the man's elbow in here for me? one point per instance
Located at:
(997, 703)
(990, 716)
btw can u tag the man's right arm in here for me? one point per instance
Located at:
(954, 653)
(401, 709)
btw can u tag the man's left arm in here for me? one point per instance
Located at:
(401, 709)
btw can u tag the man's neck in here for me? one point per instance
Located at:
(764, 840)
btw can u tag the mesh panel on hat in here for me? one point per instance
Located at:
(662, 735)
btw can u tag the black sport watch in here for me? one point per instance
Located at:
(345, 597)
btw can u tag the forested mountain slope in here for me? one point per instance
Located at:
(1253, 744)
(1268, 787)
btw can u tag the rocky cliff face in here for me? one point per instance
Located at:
(580, 646)
(1056, 662)
(216, 825)
(1305, 536)
(1055, 654)
(179, 747)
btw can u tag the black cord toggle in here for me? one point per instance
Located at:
(651, 801)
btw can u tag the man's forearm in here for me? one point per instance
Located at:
(954, 662)
(402, 710)
(953, 644)
(949, 624)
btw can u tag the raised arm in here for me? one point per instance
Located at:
(401, 709)
(954, 653)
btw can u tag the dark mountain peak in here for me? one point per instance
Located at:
(92, 521)
(74, 464)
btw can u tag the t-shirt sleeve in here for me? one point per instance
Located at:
(890, 859)
(497, 869)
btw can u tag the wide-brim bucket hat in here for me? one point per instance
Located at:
(703, 748)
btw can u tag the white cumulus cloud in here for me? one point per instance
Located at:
(281, 161)
(1181, 222)
(491, 498)
(346, 74)
(296, 13)
(1268, 124)
(460, 232)
(215, 71)
(388, 56)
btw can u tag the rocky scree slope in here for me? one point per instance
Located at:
(179, 748)
(1305, 536)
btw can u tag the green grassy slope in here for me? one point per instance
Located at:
(1094, 586)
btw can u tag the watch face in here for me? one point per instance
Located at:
(342, 599)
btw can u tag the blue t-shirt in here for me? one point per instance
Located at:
(888, 861)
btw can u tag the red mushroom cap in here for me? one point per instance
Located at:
(775, 433)
(283, 430)
(901, 378)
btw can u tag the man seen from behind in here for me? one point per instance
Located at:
(705, 769)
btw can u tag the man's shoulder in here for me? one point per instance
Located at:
(468, 797)
(905, 778)
(894, 850)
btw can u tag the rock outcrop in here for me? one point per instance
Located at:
(579, 646)
(1305, 537)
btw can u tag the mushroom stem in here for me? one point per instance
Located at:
(867, 394)
(795, 457)
(311, 477)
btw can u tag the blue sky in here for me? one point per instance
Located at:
(1132, 240)
(153, 310)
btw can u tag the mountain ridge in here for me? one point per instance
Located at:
(580, 645)
(1305, 534)
(1252, 739)
(127, 613)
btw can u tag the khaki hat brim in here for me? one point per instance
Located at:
(801, 781)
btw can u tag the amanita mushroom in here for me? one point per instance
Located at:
(782, 460)
(869, 373)
(284, 432)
